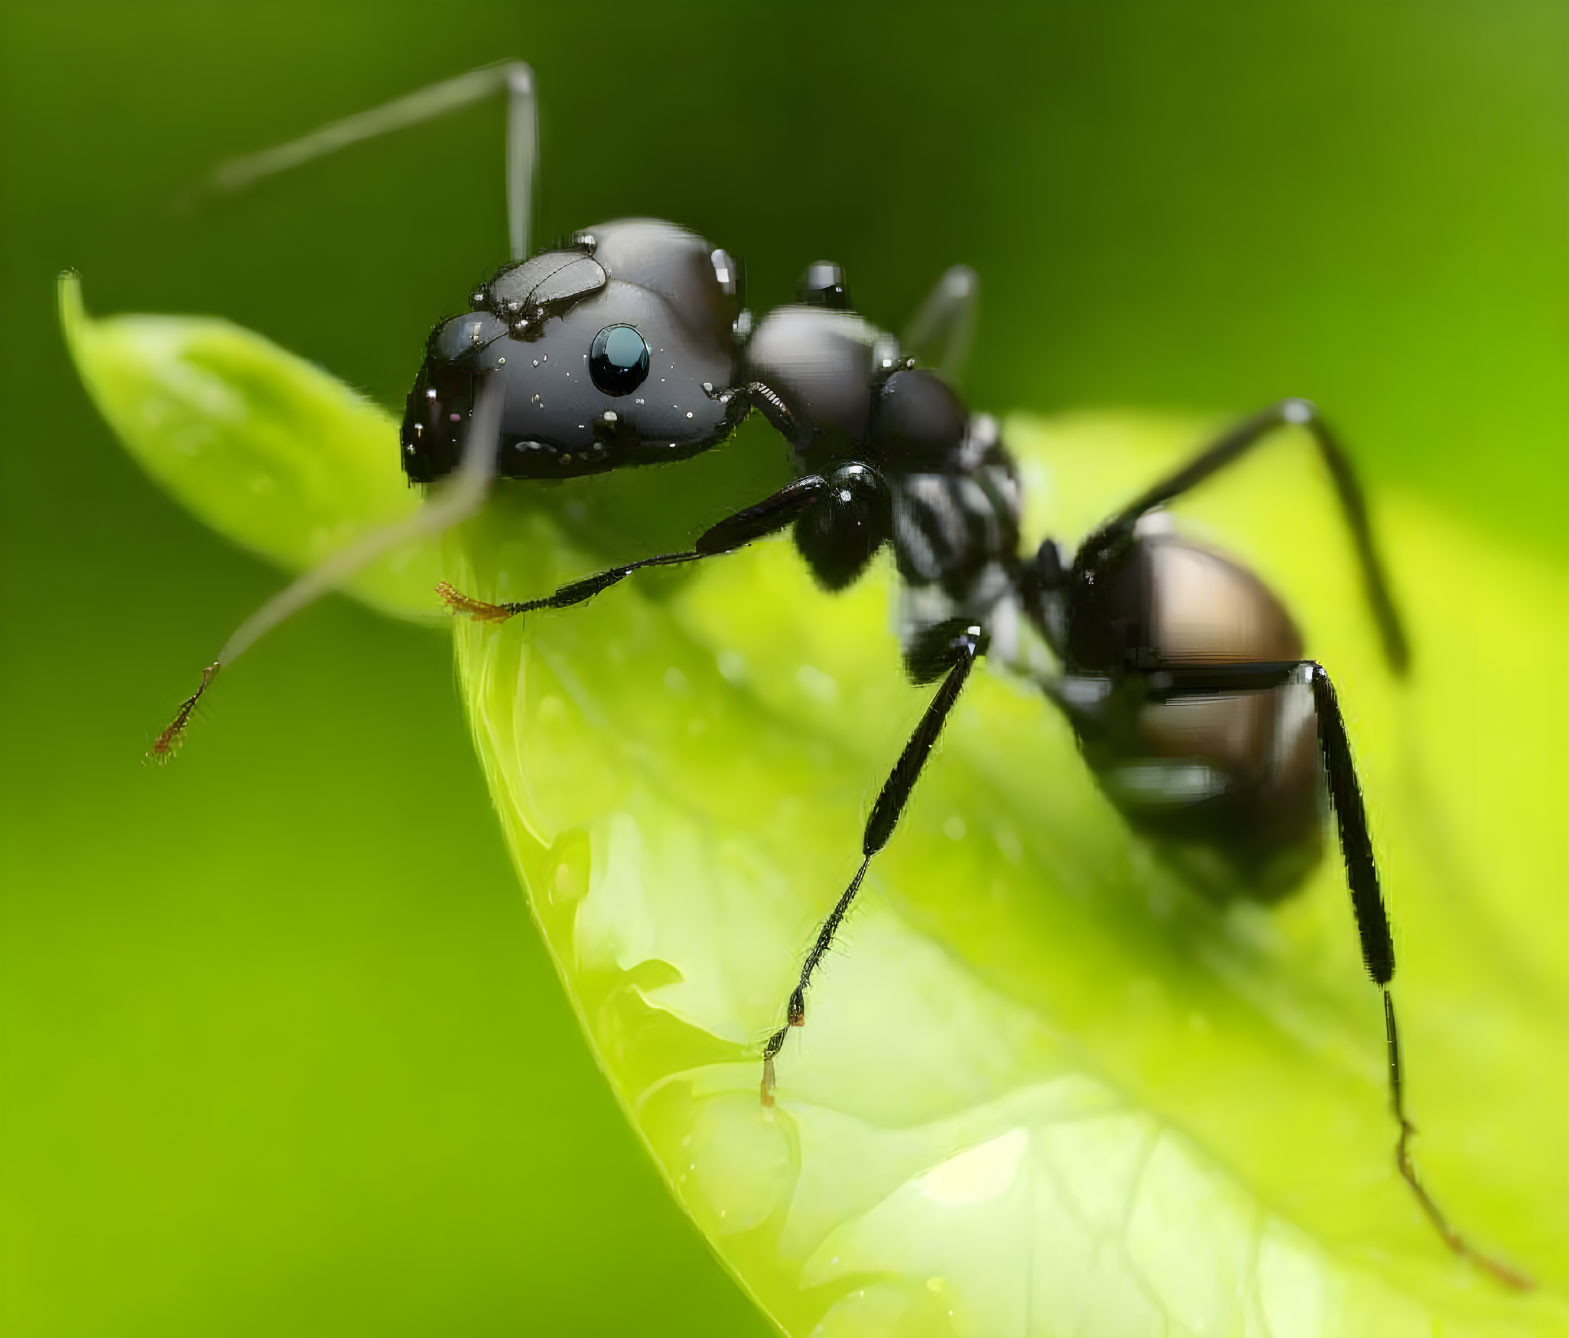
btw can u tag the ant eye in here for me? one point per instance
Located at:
(618, 359)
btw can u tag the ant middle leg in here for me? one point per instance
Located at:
(1174, 683)
(949, 651)
(1230, 447)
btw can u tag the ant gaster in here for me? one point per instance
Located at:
(1183, 676)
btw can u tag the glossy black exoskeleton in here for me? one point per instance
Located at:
(610, 352)
(1183, 676)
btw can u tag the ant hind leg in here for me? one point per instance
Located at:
(1231, 446)
(1367, 902)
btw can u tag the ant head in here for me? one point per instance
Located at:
(616, 349)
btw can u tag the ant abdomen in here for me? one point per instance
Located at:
(1227, 782)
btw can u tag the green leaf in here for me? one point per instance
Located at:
(266, 448)
(1043, 1087)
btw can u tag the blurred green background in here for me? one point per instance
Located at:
(280, 1050)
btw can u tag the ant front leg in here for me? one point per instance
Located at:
(767, 517)
(950, 648)
(1232, 446)
(1367, 902)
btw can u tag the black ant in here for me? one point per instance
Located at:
(1183, 676)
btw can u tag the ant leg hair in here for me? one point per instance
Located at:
(1356, 848)
(1353, 504)
(966, 644)
(763, 518)
(940, 332)
(457, 500)
(513, 76)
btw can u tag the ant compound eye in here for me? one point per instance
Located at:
(618, 359)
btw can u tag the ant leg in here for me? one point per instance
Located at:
(1236, 443)
(458, 499)
(940, 332)
(754, 522)
(516, 78)
(950, 648)
(1356, 848)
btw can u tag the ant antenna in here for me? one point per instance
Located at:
(461, 495)
(516, 78)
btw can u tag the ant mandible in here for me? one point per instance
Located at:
(1181, 674)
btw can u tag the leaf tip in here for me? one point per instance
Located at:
(68, 301)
